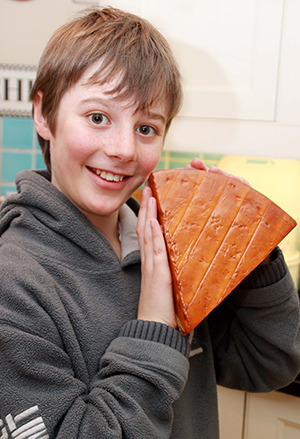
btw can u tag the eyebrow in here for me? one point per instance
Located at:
(156, 116)
(151, 114)
(96, 100)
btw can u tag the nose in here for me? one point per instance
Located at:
(123, 145)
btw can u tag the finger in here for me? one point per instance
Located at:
(151, 213)
(198, 164)
(218, 171)
(147, 192)
(222, 172)
(151, 208)
(161, 269)
(162, 274)
(160, 255)
(140, 228)
(148, 238)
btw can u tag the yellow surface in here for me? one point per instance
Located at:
(279, 180)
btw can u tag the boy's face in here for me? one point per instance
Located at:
(102, 151)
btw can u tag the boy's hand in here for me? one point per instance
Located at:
(198, 164)
(156, 298)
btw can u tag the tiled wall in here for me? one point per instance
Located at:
(19, 149)
(172, 159)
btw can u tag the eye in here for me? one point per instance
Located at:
(98, 119)
(146, 130)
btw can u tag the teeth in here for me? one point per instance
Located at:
(108, 175)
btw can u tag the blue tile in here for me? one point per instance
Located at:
(17, 132)
(7, 190)
(12, 163)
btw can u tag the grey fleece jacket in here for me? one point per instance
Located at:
(75, 362)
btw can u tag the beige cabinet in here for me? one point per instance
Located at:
(273, 415)
(288, 103)
(241, 73)
(228, 53)
(231, 413)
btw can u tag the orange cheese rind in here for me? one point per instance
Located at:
(217, 230)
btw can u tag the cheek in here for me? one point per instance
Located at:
(70, 147)
(77, 152)
(149, 160)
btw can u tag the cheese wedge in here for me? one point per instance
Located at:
(217, 230)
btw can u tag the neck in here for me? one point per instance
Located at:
(108, 226)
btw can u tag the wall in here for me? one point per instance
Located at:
(26, 26)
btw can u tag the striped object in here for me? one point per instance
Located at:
(217, 230)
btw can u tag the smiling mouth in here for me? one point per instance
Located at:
(108, 176)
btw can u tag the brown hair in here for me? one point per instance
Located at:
(130, 47)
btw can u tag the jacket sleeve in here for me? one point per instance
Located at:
(131, 396)
(255, 331)
(141, 373)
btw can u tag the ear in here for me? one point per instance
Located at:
(40, 121)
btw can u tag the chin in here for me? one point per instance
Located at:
(103, 209)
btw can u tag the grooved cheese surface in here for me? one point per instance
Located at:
(217, 230)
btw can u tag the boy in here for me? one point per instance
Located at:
(89, 347)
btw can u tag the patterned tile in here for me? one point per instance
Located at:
(13, 162)
(17, 133)
(6, 190)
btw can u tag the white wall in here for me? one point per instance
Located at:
(214, 119)
(26, 26)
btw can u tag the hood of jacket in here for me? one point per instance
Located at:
(41, 219)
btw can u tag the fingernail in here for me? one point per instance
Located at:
(145, 190)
